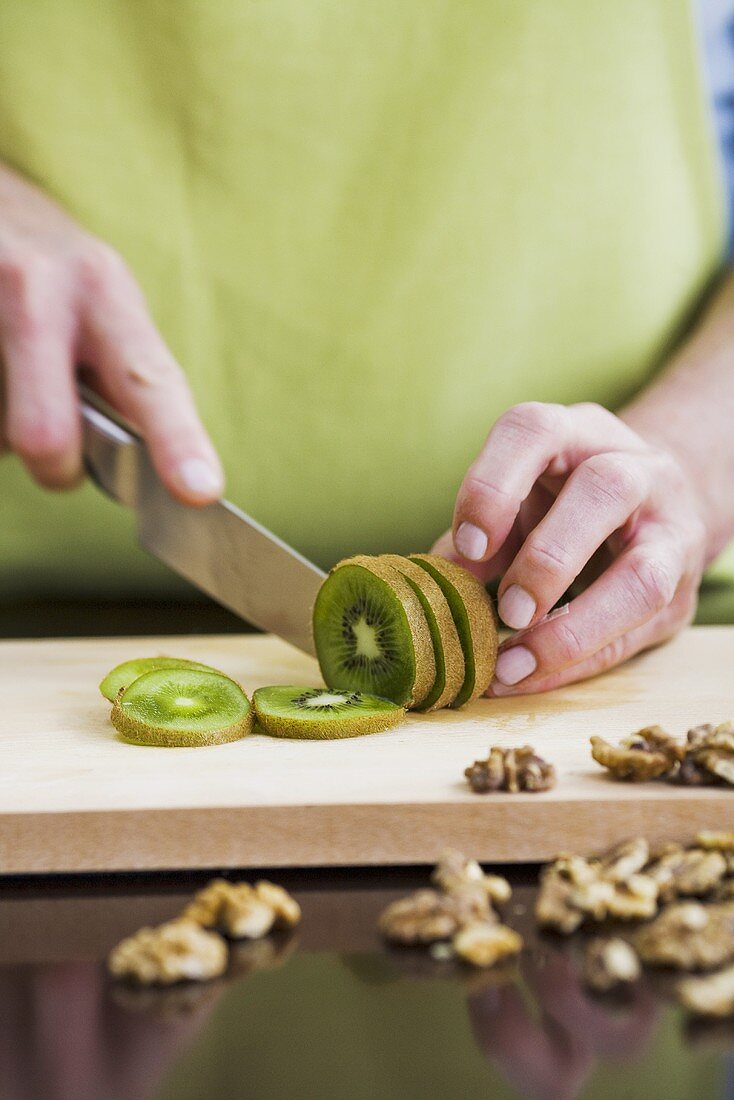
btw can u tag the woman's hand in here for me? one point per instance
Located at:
(67, 299)
(552, 486)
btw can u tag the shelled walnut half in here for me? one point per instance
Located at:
(610, 963)
(511, 770)
(180, 950)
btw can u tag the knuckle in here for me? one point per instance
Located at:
(535, 418)
(23, 273)
(477, 486)
(101, 268)
(41, 439)
(652, 584)
(611, 480)
(544, 556)
(568, 644)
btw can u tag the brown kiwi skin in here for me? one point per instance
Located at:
(482, 619)
(425, 660)
(163, 738)
(453, 655)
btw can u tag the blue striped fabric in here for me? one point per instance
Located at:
(716, 19)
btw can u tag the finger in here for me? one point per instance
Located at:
(599, 497)
(41, 415)
(641, 582)
(659, 629)
(526, 442)
(485, 570)
(532, 509)
(137, 373)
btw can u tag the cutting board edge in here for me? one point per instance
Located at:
(350, 835)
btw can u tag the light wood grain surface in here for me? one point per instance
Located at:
(74, 797)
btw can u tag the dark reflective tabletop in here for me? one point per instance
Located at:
(330, 1012)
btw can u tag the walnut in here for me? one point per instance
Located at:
(454, 872)
(609, 963)
(574, 889)
(691, 872)
(625, 859)
(635, 761)
(422, 917)
(287, 910)
(715, 841)
(554, 907)
(483, 944)
(236, 909)
(511, 770)
(689, 936)
(180, 950)
(635, 899)
(712, 995)
(709, 755)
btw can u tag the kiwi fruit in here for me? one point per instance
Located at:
(322, 713)
(447, 649)
(182, 707)
(123, 675)
(371, 633)
(475, 621)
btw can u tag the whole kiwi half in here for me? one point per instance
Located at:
(371, 633)
(322, 713)
(447, 649)
(182, 708)
(473, 613)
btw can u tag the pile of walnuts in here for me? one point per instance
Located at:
(192, 947)
(459, 911)
(705, 758)
(687, 891)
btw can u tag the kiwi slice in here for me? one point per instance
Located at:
(182, 707)
(322, 713)
(444, 635)
(123, 675)
(371, 633)
(475, 622)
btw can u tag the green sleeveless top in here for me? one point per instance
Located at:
(365, 229)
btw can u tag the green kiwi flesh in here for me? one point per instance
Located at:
(371, 633)
(475, 622)
(322, 713)
(123, 675)
(182, 708)
(450, 668)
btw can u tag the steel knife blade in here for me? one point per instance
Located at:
(218, 548)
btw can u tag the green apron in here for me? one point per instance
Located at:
(365, 230)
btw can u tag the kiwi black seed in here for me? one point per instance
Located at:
(371, 633)
(447, 649)
(473, 612)
(322, 713)
(123, 675)
(182, 708)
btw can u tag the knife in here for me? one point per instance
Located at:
(222, 551)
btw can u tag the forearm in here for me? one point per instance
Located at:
(689, 409)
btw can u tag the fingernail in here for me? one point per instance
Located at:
(471, 542)
(517, 607)
(514, 664)
(199, 477)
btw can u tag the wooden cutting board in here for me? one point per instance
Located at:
(75, 798)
